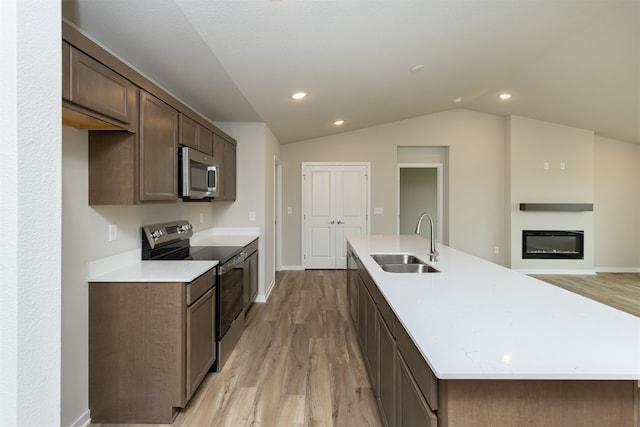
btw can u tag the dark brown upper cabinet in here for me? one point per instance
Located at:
(158, 150)
(93, 95)
(224, 153)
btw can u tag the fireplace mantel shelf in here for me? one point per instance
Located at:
(557, 207)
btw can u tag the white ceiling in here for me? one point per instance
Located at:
(573, 62)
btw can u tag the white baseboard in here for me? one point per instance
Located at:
(83, 421)
(588, 272)
(292, 267)
(618, 269)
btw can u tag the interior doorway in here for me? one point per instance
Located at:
(420, 189)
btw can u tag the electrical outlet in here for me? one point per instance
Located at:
(289, 210)
(562, 165)
(496, 249)
(252, 216)
(546, 165)
(201, 218)
(378, 211)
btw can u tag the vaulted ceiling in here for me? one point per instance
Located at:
(573, 62)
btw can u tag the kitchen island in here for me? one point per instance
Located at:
(484, 345)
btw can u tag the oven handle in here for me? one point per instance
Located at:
(231, 264)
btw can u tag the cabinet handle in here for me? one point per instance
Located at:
(340, 222)
(332, 222)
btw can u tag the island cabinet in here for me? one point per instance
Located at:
(409, 393)
(224, 153)
(93, 95)
(150, 347)
(376, 332)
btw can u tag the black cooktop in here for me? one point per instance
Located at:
(213, 253)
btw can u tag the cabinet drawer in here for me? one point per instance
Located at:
(424, 377)
(200, 286)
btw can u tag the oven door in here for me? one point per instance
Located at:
(230, 285)
(198, 174)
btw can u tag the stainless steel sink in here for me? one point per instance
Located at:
(409, 268)
(395, 259)
(402, 263)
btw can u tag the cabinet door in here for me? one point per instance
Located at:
(200, 341)
(411, 407)
(188, 132)
(229, 171)
(386, 371)
(99, 91)
(158, 150)
(352, 287)
(205, 140)
(367, 331)
(218, 155)
(253, 277)
(250, 279)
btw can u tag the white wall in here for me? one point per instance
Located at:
(617, 205)
(532, 144)
(30, 78)
(476, 175)
(255, 192)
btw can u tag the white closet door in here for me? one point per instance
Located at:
(351, 207)
(335, 205)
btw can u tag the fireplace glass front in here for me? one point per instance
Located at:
(552, 244)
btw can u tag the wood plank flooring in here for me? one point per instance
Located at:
(618, 290)
(297, 364)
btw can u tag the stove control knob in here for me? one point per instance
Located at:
(184, 228)
(157, 234)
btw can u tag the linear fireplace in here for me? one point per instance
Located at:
(552, 244)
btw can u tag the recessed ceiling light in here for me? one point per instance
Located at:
(504, 96)
(298, 95)
(338, 122)
(457, 100)
(417, 68)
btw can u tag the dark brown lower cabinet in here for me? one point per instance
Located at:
(409, 394)
(412, 409)
(150, 346)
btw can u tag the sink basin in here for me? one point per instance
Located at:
(402, 263)
(395, 259)
(409, 268)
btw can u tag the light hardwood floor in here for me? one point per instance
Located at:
(619, 290)
(297, 364)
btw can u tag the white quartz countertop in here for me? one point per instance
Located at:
(156, 271)
(127, 267)
(478, 320)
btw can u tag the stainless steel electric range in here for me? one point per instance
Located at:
(171, 241)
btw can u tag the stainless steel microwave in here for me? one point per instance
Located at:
(198, 174)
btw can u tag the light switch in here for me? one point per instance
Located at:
(113, 232)
(252, 216)
(289, 210)
(378, 211)
(546, 165)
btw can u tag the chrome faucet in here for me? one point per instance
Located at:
(433, 253)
